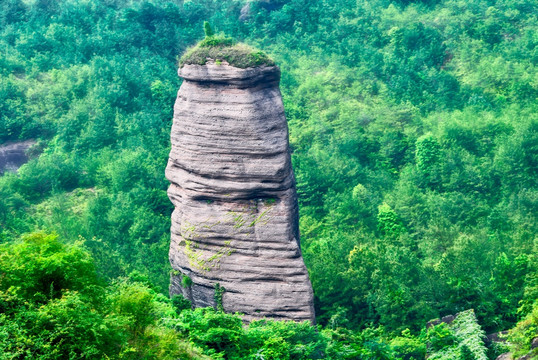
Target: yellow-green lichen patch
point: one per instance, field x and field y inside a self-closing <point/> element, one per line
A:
<point x="201" y="259"/>
<point x="262" y="218"/>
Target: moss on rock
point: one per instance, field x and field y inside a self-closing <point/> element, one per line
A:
<point x="219" y="48"/>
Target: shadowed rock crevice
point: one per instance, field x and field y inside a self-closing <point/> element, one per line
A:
<point x="236" y="216"/>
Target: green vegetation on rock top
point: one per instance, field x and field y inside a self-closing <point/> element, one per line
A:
<point x="220" y="48"/>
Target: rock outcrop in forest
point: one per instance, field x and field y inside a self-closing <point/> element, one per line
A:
<point x="234" y="236"/>
<point x="14" y="155"/>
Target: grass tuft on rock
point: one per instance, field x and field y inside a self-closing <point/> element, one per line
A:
<point x="220" y="48"/>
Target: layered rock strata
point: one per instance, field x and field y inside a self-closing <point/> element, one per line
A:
<point x="235" y="223"/>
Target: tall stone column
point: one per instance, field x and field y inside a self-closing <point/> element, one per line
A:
<point x="235" y="223"/>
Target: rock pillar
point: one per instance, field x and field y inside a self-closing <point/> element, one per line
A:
<point x="235" y="223"/>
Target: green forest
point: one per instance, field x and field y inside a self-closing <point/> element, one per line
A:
<point x="414" y="137"/>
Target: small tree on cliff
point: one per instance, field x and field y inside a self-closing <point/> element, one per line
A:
<point x="208" y="30"/>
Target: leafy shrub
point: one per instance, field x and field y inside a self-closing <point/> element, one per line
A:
<point x="215" y="332"/>
<point x="208" y="30"/>
<point x="186" y="281"/>
<point x="53" y="306"/>
<point x="522" y="335"/>
<point x="440" y="337"/>
<point x="389" y="223"/>
<point x="495" y="349"/>
<point x="462" y="339"/>
<point x="216" y="41"/>
<point x="285" y="340"/>
<point x="409" y="347"/>
<point x="41" y="268"/>
<point x="180" y="303"/>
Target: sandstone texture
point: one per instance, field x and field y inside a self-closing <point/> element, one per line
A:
<point x="14" y="155"/>
<point x="235" y="222"/>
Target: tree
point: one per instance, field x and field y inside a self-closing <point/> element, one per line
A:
<point x="208" y="31"/>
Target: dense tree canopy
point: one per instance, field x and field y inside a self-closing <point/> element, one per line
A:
<point x="414" y="132"/>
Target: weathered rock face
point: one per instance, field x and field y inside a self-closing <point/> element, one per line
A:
<point x="269" y="5"/>
<point x="236" y="218"/>
<point x="14" y="155"/>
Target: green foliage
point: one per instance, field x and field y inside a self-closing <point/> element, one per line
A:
<point x="66" y="325"/>
<point x="52" y="306"/>
<point x="409" y="347"/>
<point x="388" y="222"/>
<point x="367" y="344"/>
<point x="427" y="154"/>
<point x="496" y="349"/>
<point x="223" y="336"/>
<point x="462" y="339"/>
<point x="440" y="337"/>
<point x="180" y="303"/>
<point x="219" y="291"/>
<point x="221" y="48"/>
<point x="521" y="336"/>
<point x="215" y="332"/>
<point x="416" y="104"/>
<point x="135" y="302"/>
<point x="285" y="340"/>
<point x="41" y="268"/>
<point x="207" y="30"/>
<point x="186" y="281"/>
<point x="214" y="41"/>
